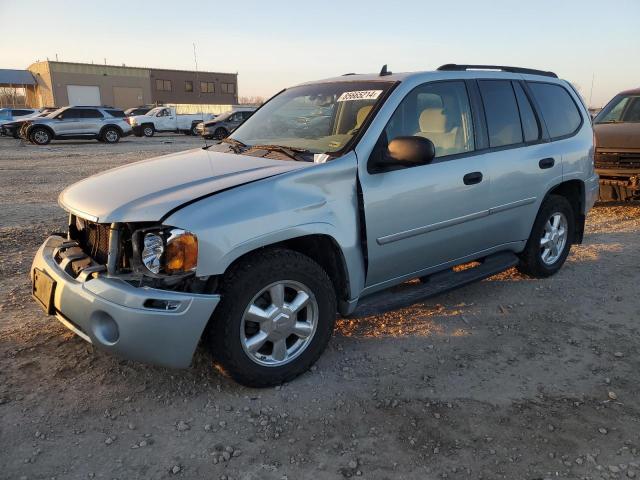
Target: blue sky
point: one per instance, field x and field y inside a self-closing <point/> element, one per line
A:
<point x="273" y="44"/>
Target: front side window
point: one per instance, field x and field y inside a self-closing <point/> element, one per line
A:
<point x="70" y="113"/>
<point x="623" y="108"/>
<point x="558" y="109"/>
<point x="318" y="118"/>
<point x="438" y="111"/>
<point x="501" y="112"/>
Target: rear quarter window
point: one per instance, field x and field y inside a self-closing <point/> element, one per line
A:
<point x="559" y="111"/>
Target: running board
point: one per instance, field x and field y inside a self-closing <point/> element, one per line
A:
<point x="407" y="294"/>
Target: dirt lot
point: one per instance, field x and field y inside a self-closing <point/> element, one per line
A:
<point x="508" y="378"/>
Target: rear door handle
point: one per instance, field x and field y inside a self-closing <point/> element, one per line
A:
<point x="472" y="178"/>
<point x="546" y="163"/>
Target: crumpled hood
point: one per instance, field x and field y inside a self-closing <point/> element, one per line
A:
<point x="149" y="189"/>
<point x="617" y="136"/>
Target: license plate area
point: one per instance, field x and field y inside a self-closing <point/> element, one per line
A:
<point x="43" y="289"/>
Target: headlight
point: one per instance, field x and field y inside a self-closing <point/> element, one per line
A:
<point x="170" y="251"/>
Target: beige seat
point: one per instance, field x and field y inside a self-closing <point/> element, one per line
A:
<point x="433" y="125"/>
<point x="360" y="117"/>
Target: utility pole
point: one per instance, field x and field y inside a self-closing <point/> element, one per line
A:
<point x="593" y="77"/>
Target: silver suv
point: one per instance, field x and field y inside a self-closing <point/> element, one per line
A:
<point x="332" y="192"/>
<point x="105" y="124"/>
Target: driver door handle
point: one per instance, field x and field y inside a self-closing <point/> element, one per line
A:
<point x="472" y="178"/>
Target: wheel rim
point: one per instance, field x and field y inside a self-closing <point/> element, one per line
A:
<point x="221" y="133"/>
<point x="147" y="131"/>
<point x="279" y="323"/>
<point x="111" y="136"/>
<point x="40" y="136"/>
<point x="554" y="238"/>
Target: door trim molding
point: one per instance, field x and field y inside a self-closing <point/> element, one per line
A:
<point x="394" y="237"/>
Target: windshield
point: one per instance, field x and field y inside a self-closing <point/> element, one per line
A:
<point x="318" y="118"/>
<point x="623" y="108"/>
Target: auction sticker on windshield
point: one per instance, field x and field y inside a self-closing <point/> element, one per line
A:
<point x="359" y="95"/>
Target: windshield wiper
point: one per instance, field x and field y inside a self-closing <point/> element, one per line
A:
<point x="288" y="151"/>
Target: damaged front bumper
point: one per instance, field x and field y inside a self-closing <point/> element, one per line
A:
<point x="138" y="323"/>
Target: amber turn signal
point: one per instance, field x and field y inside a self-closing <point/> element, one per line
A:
<point x="181" y="253"/>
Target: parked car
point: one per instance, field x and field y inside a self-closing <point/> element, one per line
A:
<point x="617" y="129"/>
<point x="12" y="129"/>
<point x="105" y="124"/>
<point x="8" y="115"/>
<point x="220" y="126"/>
<point x="260" y="239"/>
<point x="141" y="110"/>
<point x="165" y="119"/>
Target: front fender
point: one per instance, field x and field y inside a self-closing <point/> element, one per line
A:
<point x="318" y="200"/>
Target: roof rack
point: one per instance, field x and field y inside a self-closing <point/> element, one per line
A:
<point x="449" y="67"/>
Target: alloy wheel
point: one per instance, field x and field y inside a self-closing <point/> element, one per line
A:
<point x="554" y="238"/>
<point x="279" y="323"/>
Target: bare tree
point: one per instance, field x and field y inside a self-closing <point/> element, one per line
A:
<point x="253" y="100"/>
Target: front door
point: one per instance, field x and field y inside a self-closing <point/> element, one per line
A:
<point x="70" y="122"/>
<point x="165" y="121"/>
<point x="424" y="216"/>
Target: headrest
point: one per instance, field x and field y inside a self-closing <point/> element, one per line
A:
<point x="432" y="120"/>
<point x="362" y="114"/>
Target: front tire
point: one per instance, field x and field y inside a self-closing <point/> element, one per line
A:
<point x="220" y="133"/>
<point x="550" y="240"/>
<point x="276" y="316"/>
<point x="193" y="131"/>
<point x="40" y="136"/>
<point x="148" y="130"/>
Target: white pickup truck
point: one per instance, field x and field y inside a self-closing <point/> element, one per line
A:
<point x="165" y="119"/>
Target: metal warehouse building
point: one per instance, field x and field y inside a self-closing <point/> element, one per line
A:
<point x="66" y="83"/>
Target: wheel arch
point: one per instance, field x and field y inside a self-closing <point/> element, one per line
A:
<point x="574" y="192"/>
<point x="110" y="125"/>
<point x="39" y="125"/>
<point x="323" y="249"/>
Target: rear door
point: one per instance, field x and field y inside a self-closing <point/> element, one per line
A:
<point x="522" y="162"/>
<point x="424" y="216"/>
<point x="91" y="121"/>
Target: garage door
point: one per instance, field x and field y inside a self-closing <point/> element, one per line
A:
<point x="127" y="97"/>
<point x="83" y="95"/>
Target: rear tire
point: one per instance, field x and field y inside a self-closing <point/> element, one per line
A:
<point x="284" y="341"/>
<point x="550" y="240"/>
<point x="40" y="136"/>
<point x="110" y="135"/>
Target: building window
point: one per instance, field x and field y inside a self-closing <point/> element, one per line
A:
<point x="188" y="86"/>
<point x="228" y="88"/>
<point x="207" y="87"/>
<point x="163" y="85"/>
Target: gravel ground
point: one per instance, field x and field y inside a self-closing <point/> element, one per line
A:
<point x="507" y="378"/>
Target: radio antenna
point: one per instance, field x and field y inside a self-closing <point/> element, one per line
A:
<point x="197" y="85"/>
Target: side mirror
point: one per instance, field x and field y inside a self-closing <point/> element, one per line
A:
<point x="409" y="151"/>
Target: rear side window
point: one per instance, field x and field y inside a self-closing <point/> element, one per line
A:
<point x="501" y="111"/>
<point x="89" y="113"/>
<point x="560" y="113"/>
<point x="530" y="126"/>
<point x="116" y="113"/>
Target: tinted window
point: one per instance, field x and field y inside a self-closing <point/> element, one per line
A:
<point x="501" y="112"/>
<point x="20" y="113"/>
<point x="529" y="123"/>
<point x="559" y="111"/>
<point x="71" y="113"/>
<point x="90" y="113"/>
<point x="116" y="113"/>
<point x="437" y="111"/>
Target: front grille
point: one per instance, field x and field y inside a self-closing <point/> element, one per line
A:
<point x="617" y="160"/>
<point x="93" y="239"/>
